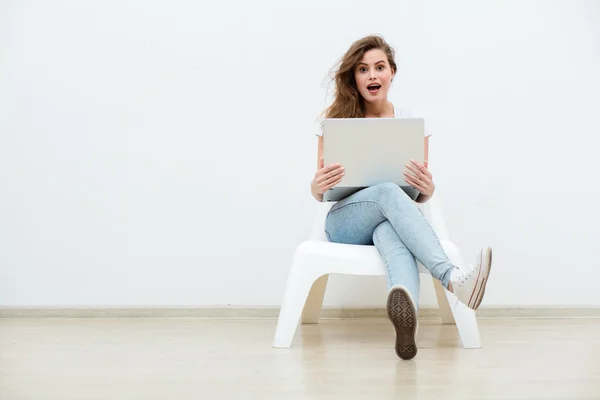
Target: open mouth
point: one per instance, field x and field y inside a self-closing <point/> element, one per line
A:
<point x="374" y="88"/>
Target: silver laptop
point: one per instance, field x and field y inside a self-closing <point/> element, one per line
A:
<point x="373" y="151"/>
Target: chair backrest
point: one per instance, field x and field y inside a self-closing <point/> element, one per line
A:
<point x="433" y="212"/>
<point x="317" y="232"/>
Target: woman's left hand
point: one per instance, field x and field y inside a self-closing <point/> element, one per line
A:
<point x="421" y="179"/>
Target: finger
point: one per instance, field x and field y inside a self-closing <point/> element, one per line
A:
<point x="419" y="188"/>
<point x="420" y="172"/>
<point x="423" y="183"/>
<point x="411" y="178"/>
<point x="333" y="173"/>
<point x="333" y="179"/>
<point x="426" y="164"/>
<point x="321" y="163"/>
<point x="329" y="168"/>
<point x="424" y="180"/>
<point x="420" y="167"/>
<point x="417" y="184"/>
<point x="415" y="170"/>
<point x="332" y="184"/>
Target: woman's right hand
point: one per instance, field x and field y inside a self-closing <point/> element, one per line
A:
<point x="327" y="177"/>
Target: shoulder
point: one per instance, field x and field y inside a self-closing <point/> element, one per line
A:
<point x="403" y="112"/>
<point x="319" y="131"/>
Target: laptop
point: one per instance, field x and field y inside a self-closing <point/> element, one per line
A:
<point x="373" y="151"/>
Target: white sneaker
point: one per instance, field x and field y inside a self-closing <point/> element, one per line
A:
<point x="402" y="311"/>
<point x="468" y="283"/>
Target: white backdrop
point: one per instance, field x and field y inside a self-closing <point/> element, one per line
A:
<point x="160" y="153"/>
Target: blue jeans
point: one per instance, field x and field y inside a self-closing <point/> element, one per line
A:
<point x="384" y="215"/>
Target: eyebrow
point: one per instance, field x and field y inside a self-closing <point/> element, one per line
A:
<point x="380" y="61"/>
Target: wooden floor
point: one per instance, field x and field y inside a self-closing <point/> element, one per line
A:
<point x="338" y="359"/>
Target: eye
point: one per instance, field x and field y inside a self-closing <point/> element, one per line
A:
<point x="362" y="69"/>
<point x="380" y="67"/>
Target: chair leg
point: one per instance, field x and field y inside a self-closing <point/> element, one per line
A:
<point x="445" y="310"/>
<point x="465" y="318"/>
<point x="466" y="323"/>
<point x="297" y="288"/>
<point x="314" y="303"/>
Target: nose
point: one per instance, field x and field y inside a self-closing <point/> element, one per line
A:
<point x="372" y="74"/>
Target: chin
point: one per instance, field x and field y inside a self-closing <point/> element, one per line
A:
<point x="372" y="99"/>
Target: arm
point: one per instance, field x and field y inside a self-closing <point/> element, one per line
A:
<point x="326" y="177"/>
<point x="421" y="198"/>
<point x="313" y="190"/>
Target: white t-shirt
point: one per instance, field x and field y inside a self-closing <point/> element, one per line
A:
<point x="398" y="113"/>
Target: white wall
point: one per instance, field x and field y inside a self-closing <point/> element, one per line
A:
<point x="160" y="153"/>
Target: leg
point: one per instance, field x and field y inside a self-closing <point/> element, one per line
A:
<point x="358" y="215"/>
<point x="294" y="298"/>
<point x="403" y="284"/>
<point x="355" y="217"/>
<point x="401" y="264"/>
<point x="466" y="320"/>
<point x="314" y="303"/>
<point x="445" y="310"/>
<point x="299" y="282"/>
<point x="360" y="221"/>
<point x="466" y="323"/>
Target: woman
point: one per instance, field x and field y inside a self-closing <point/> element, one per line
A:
<point x="384" y="215"/>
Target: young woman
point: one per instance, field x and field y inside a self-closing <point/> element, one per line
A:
<point x="385" y="215"/>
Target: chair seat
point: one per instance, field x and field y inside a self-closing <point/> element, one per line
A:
<point x="338" y="258"/>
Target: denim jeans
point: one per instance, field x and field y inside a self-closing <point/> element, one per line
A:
<point x="385" y="216"/>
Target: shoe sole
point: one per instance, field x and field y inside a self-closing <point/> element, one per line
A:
<point x="402" y="313"/>
<point x="488" y="267"/>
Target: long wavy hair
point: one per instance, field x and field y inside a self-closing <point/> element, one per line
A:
<point x="347" y="101"/>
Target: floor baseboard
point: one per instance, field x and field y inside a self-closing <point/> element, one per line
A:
<point x="425" y="312"/>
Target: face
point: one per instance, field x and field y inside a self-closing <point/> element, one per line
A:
<point x="373" y="76"/>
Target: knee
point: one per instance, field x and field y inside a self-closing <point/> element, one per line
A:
<point x="388" y="190"/>
<point x="390" y="193"/>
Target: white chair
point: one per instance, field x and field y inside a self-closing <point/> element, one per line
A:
<point x="316" y="258"/>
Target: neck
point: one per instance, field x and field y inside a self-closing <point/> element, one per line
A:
<point x="382" y="108"/>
